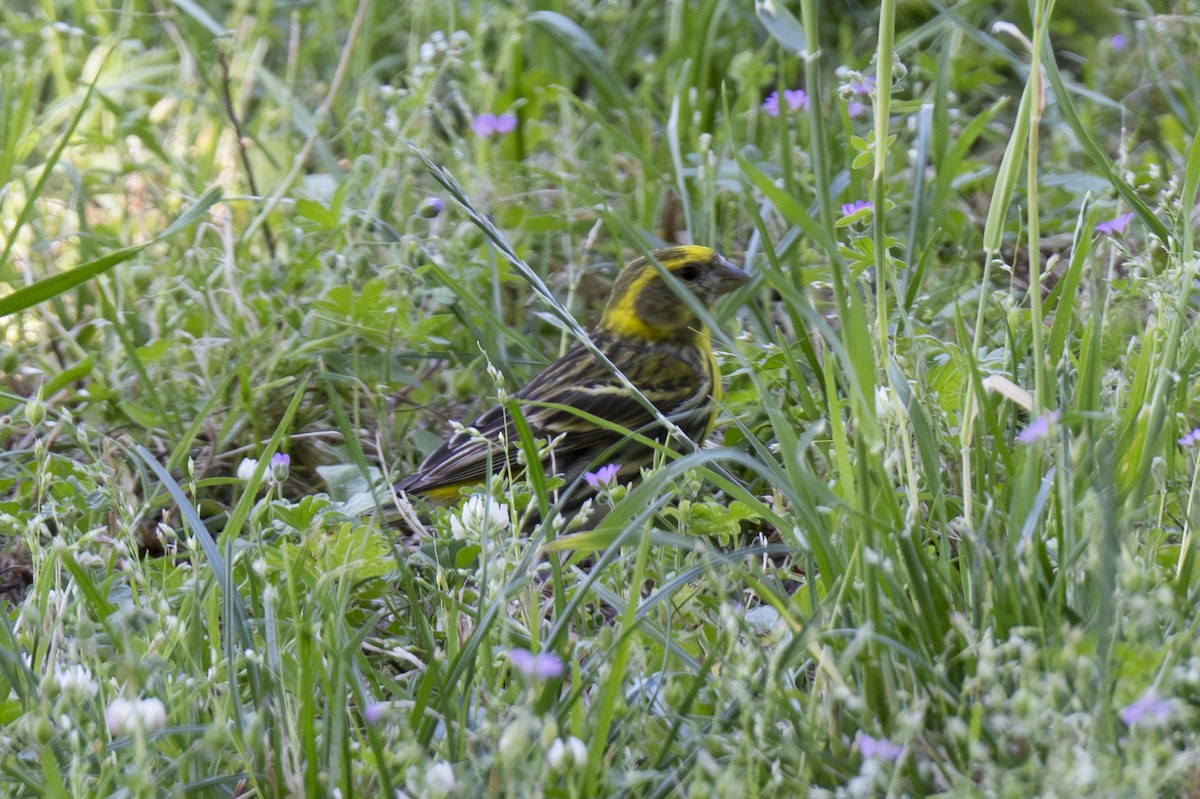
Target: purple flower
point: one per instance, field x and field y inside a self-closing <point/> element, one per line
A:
<point x="850" y="209"/>
<point x="855" y="109"/>
<point x="542" y="666"/>
<point x="1115" y="226"/>
<point x="431" y="207"/>
<point x="1117" y="42"/>
<point x="375" y="712"/>
<point x="864" y="86"/>
<point x="279" y="467"/>
<point x="1190" y="439"/>
<point x="1038" y="428"/>
<point x="506" y="123"/>
<point x="486" y="125"/>
<point x="603" y="476"/>
<point x="877" y="748"/>
<point x="1149" y="710"/>
<point x="796" y="99"/>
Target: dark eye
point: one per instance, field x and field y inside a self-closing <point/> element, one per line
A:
<point x="688" y="273"/>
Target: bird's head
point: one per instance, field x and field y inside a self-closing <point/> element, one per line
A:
<point x="643" y="304"/>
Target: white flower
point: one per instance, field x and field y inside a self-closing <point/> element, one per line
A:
<point x="89" y="560"/>
<point x="120" y="717"/>
<point x="556" y="755"/>
<point x="578" y="749"/>
<point x="883" y="402"/>
<point x="566" y="752"/>
<point x="480" y="516"/>
<point x="246" y="468"/>
<point x="514" y="741"/>
<point x="439" y="780"/>
<point x="77" y="682"/>
<point x="151" y="713"/>
<point x="124" y="716"/>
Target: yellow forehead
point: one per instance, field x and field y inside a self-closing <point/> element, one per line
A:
<point x="684" y="252"/>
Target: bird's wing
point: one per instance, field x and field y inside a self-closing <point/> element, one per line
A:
<point x="467" y="457"/>
<point x="577" y="380"/>
<point x="580" y="382"/>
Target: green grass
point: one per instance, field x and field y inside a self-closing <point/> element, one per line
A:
<point x="249" y="230"/>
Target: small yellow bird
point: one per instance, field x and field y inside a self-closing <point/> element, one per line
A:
<point x="658" y="343"/>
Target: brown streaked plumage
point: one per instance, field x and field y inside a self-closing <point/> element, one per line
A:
<point x="648" y="333"/>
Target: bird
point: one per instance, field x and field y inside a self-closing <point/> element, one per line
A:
<point x="653" y="337"/>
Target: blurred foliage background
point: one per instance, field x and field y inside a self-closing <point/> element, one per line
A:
<point x="942" y="545"/>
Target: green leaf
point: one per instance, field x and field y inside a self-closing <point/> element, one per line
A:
<point x="302" y="515"/>
<point x="361" y="550"/>
<point x="196" y="12"/>
<point x="579" y="44"/>
<point x="69" y="375"/>
<point x="861" y="215"/>
<point x="345" y="480"/>
<point x="1007" y="175"/>
<point x="712" y="520"/>
<point x="788" y="206"/>
<point x="55" y="787"/>
<point x="782" y="25"/>
<point x="10" y="711"/>
<point x="30" y="207"/>
<point x="222" y="569"/>
<point x="154" y="350"/>
<point x="311" y="209"/>
<point x="452" y="553"/>
<point x="52" y="286"/>
<point x="1084" y="134"/>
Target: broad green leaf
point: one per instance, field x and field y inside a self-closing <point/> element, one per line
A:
<point x="782" y="25"/>
<point x="68" y="375"/>
<point x="54" y="285"/>
<point x="580" y="45"/>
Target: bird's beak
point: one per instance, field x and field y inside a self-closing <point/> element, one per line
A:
<point x="729" y="277"/>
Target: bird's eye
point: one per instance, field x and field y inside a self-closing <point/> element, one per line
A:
<point x="689" y="273"/>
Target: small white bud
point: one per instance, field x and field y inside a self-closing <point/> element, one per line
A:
<point x="480" y="516"/>
<point x="566" y="752"/>
<point x="124" y="716"/>
<point x="119" y="716"/>
<point x="245" y="469"/>
<point x="151" y="713"/>
<point x="439" y="780"/>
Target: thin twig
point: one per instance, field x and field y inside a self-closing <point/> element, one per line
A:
<point x="339" y="74"/>
<point x="231" y="112"/>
